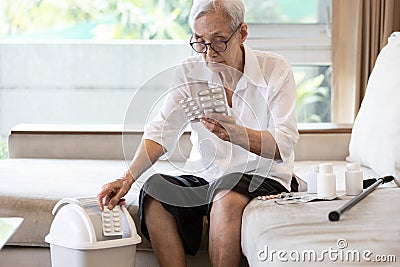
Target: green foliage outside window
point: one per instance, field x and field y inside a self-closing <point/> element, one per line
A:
<point x="313" y="97"/>
<point x="95" y="19"/>
<point x="3" y="149"/>
<point x="131" y="19"/>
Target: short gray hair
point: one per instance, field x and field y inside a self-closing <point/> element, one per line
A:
<point x="234" y="9"/>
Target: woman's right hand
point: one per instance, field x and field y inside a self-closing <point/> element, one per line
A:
<point x="112" y="193"/>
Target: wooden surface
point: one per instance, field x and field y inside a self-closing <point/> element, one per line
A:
<point x="118" y="129"/>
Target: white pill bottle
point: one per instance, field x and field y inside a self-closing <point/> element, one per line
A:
<point x="312" y="179"/>
<point x="354" y="179"/>
<point x="326" y="181"/>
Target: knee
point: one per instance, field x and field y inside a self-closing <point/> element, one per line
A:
<point x="155" y="185"/>
<point x="228" y="204"/>
<point x="151" y="181"/>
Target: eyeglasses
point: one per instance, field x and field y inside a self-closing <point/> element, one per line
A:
<point x="218" y="46"/>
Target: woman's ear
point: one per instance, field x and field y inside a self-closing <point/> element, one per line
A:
<point x="243" y="33"/>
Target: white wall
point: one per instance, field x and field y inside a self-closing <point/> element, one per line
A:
<point x="78" y="82"/>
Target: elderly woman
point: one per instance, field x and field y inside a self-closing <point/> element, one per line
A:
<point x="237" y="155"/>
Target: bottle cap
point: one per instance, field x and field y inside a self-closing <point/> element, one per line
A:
<point x="353" y="166"/>
<point x="326" y="168"/>
<point x="315" y="168"/>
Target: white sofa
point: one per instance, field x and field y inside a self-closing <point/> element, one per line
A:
<point x="368" y="234"/>
<point x="301" y="234"/>
<point x="50" y="162"/>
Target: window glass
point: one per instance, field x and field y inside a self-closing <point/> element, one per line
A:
<point x="62" y="82"/>
<point x="287" y="11"/>
<point x="94" y="19"/>
<point x="134" y="19"/>
<point x="313" y="93"/>
<point x="280" y="24"/>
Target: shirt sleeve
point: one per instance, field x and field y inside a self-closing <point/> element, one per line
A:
<point x="170" y="122"/>
<point x="283" y="108"/>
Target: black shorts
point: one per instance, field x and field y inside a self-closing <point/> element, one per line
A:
<point x="189" y="198"/>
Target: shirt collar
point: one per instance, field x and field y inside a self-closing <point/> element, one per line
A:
<point x="252" y="72"/>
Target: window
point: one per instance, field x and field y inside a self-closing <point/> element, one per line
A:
<point x="300" y="31"/>
<point x="78" y="61"/>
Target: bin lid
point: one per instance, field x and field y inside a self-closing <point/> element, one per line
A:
<point x="72" y="225"/>
<point x="73" y="228"/>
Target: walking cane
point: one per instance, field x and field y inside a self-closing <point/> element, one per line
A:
<point x="335" y="215"/>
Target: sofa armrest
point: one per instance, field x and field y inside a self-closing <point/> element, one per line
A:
<point x="103" y="142"/>
<point x="322" y="141"/>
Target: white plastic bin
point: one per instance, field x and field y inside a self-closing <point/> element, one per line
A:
<point x="76" y="237"/>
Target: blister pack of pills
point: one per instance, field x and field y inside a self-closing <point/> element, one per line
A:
<point x="111" y="220"/>
<point x="191" y="108"/>
<point x="208" y="100"/>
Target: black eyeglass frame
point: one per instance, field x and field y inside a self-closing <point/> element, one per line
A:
<point x="210" y="44"/>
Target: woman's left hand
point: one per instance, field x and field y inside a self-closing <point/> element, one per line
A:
<point x="225" y="127"/>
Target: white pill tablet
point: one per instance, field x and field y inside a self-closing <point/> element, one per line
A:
<point x="205" y="98"/>
<point x="204" y="92"/>
<point x="219" y="96"/>
<point x="219" y="103"/>
<point x="216" y="90"/>
<point x="220" y="109"/>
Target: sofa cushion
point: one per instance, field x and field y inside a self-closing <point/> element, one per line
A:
<point x="30" y="188"/>
<point x="274" y="235"/>
<point x="375" y="139"/>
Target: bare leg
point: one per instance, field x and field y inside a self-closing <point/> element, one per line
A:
<point x="164" y="236"/>
<point x="225" y="227"/>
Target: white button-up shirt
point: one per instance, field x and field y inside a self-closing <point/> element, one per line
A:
<point x="264" y="99"/>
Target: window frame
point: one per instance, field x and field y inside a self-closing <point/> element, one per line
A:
<point x="300" y="44"/>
